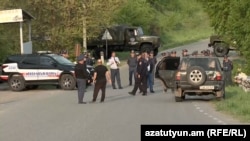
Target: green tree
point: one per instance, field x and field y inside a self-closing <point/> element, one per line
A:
<point x="230" y="19"/>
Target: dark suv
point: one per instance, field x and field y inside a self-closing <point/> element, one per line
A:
<point x="31" y="70"/>
<point x="199" y="75"/>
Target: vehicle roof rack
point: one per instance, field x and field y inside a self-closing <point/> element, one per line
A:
<point x="202" y="53"/>
<point x="44" y="52"/>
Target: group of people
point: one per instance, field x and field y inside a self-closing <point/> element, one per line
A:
<point x="141" y="68"/>
<point x="100" y="79"/>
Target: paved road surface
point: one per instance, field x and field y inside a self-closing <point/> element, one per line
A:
<point x="54" y="115"/>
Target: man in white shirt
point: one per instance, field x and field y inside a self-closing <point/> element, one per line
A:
<point x="114" y="63"/>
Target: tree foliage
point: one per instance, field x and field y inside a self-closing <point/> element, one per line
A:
<point x="230" y="19"/>
<point x="59" y="24"/>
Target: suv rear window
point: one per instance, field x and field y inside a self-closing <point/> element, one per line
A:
<point x="206" y="63"/>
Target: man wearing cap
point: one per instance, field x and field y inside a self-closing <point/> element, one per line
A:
<point x="132" y="62"/>
<point x="227" y="68"/>
<point x="81" y="75"/>
<point x="184" y="52"/>
<point x="173" y="54"/>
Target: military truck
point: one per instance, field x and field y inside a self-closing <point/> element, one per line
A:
<point x="122" y="38"/>
<point x="220" y="47"/>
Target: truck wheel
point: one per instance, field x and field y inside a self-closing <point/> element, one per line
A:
<point x="17" y="83"/>
<point x="146" y="48"/>
<point x="196" y="76"/>
<point x="221" y="49"/>
<point x="67" y="82"/>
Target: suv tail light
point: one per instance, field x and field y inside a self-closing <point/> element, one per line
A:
<point x="178" y="76"/>
<point x="218" y="76"/>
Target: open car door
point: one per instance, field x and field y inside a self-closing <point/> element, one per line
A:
<point x="166" y="70"/>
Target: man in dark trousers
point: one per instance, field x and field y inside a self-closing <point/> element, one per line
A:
<point x="132" y="62"/>
<point x="81" y="75"/>
<point x="151" y="66"/>
<point x="227" y="68"/>
<point x="114" y="64"/>
<point x="141" y="76"/>
<point x="101" y="76"/>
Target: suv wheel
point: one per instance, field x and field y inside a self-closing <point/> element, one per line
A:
<point x="220" y="94"/>
<point x="67" y="82"/>
<point x="196" y="76"/>
<point x="221" y="49"/>
<point x="178" y="95"/>
<point x="16" y="83"/>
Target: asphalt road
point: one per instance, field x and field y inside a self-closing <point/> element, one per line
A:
<point x="54" y="115"/>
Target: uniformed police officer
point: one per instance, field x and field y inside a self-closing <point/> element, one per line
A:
<point x="141" y="76"/>
<point x="227" y="68"/>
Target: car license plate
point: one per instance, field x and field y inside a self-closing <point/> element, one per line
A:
<point x="207" y="87"/>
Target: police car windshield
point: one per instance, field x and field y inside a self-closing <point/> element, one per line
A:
<point x="62" y="60"/>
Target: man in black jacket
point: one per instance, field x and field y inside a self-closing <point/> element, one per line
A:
<point x="141" y="76"/>
<point x="81" y="75"/>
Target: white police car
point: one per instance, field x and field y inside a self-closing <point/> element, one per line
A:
<point x="31" y="70"/>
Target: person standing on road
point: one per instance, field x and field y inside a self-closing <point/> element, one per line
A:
<point x="227" y="68"/>
<point x="101" y="76"/>
<point x="151" y="64"/>
<point x="81" y="77"/>
<point x="141" y="76"/>
<point x="132" y="62"/>
<point x="114" y="63"/>
<point x="154" y="60"/>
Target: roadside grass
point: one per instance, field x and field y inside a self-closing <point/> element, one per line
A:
<point x="236" y="103"/>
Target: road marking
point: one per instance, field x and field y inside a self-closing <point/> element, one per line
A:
<point x="197" y="107"/>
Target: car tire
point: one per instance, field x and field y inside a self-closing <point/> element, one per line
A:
<point x="221" y="49"/>
<point x="16" y="83"/>
<point x="196" y="76"/>
<point x="220" y="95"/>
<point x="67" y="82"/>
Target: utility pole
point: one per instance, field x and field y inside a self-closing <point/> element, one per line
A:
<point x="84" y="32"/>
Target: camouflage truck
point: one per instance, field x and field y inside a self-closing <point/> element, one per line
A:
<point x="122" y="38"/>
<point x="220" y="46"/>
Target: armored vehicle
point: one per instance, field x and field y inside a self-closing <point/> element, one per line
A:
<point x="122" y="38"/>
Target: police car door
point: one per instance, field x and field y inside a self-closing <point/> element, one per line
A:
<point x="47" y="69"/>
<point x="28" y="67"/>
